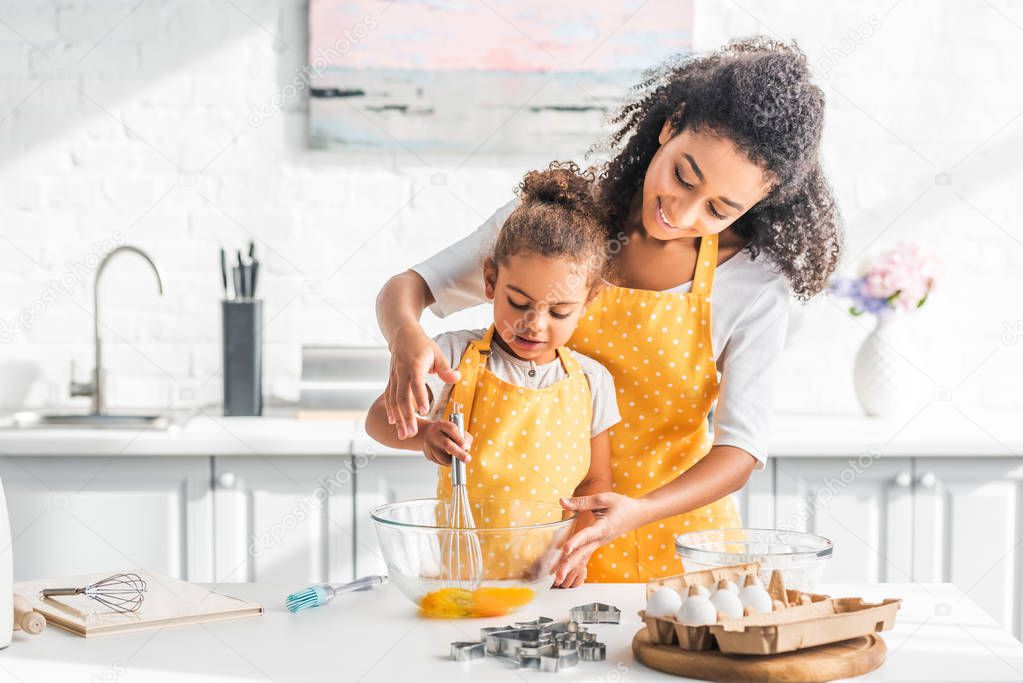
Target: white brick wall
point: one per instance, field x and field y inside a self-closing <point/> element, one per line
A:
<point x="135" y="118"/>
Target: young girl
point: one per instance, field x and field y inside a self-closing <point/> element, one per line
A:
<point x="537" y="415"/>
<point x="716" y="180"/>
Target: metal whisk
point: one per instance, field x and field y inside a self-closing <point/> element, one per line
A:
<point x="463" y="557"/>
<point x="120" y="592"/>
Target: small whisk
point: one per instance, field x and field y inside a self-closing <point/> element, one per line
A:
<point x="463" y="557"/>
<point x="121" y="592"/>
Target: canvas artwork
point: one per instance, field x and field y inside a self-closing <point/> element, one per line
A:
<point x="480" y="77"/>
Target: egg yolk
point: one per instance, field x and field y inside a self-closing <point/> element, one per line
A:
<point x="490" y="601"/>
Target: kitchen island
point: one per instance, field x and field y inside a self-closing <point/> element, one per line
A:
<point x="940" y="635"/>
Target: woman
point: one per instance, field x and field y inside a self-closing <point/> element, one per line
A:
<point x="715" y="194"/>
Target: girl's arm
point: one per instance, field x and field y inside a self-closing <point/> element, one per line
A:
<point x="597" y="480"/>
<point x="382" y="431"/>
<point x="598" y="476"/>
<point x="438" y="440"/>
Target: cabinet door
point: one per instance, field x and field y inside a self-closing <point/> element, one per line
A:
<point x="283" y="519"/>
<point x="77" y="515"/>
<point x="380" y="480"/>
<point x="968" y="528"/>
<point x="864" y="505"/>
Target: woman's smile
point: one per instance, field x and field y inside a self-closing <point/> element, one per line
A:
<point x="667" y="224"/>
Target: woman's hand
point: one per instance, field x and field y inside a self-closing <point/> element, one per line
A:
<point x="413" y="355"/>
<point x="571" y="574"/>
<point x="615" y="515"/>
<point x="441" y="441"/>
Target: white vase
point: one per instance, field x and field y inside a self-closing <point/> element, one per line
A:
<point x="886" y="382"/>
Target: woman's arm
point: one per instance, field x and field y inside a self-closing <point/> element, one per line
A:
<point x="450" y="280"/>
<point x="413" y="354"/>
<point x="724" y="470"/>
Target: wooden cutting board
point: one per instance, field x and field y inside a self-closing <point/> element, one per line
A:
<point x="823" y="663"/>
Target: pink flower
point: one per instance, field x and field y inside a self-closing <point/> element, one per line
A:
<point x="903" y="274"/>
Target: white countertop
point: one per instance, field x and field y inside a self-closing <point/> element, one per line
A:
<point x="936" y="431"/>
<point x="939" y="635"/>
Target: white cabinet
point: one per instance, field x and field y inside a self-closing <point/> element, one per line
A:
<point x="283" y="519"/>
<point x="755" y="500"/>
<point x="864" y="505"/>
<point x="77" y="515"/>
<point x="380" y="480"/>
<point x="968" y="530"/>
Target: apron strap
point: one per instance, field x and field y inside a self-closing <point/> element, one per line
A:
<point x="706" y="264"/>
<point x="475" y="357"/>
<point x="568" y="361"/>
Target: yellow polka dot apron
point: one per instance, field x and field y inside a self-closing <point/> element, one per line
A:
<point x="530" y="447"/>
<point x="657" y="346"/>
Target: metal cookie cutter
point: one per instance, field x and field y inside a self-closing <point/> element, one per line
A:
<point x="464" y="651"/>
<point x="549" y="657"/>
<point x="595" y="613"/>
<point x="565" y="658"/>
<point x="592" y="652"/>
<point x="507" y="643"/>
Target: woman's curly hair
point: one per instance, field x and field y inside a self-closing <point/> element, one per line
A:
<point x="758" y="93"/>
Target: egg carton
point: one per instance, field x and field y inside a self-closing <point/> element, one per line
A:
<point x="798" y="620"/>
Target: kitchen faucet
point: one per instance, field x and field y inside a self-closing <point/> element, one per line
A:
<point x="94" y="388"/>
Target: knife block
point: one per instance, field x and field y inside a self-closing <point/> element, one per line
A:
<point x="243" y="357"/>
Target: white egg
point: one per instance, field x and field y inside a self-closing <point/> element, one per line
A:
<point x="754" y="596"/>
<point x="664" y="602"/>
<point x="727" y="602"/>
<point x="697" y="610"/>
<point x="701" y="590"/>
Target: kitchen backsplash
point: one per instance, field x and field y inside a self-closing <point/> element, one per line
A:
<point x="148" y="136"/>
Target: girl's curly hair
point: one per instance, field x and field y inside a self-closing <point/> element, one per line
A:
<point x="759" y="93"/>
<point x="557" y="217"/>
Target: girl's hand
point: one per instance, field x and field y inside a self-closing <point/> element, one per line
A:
<point x="615" y="515"/>
<point x="441" y="440"/>
<point x="413" y="355"/>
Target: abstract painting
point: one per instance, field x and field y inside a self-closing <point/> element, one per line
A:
<point x="480" y="78"/>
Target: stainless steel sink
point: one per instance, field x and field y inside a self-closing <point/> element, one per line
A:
<point x="29" y="420"/>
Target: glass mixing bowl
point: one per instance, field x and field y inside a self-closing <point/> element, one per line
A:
<point x="518" y="556"/>
<point x="800" y="556"/>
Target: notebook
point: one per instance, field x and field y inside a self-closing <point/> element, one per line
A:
<point x="167" y="602"/>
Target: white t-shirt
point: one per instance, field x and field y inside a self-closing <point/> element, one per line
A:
<point x="516" y="371"/>
<point x="749" y="317"/>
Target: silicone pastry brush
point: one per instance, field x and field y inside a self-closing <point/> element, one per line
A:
<point x="322" y="593"/>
